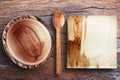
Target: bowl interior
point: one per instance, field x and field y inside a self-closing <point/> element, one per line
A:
<point x="17" y="51"/>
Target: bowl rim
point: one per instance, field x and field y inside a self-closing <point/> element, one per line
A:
<point x="4" y="36"/>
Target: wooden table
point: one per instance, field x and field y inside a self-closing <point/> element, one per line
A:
<point x="44" y="9"/>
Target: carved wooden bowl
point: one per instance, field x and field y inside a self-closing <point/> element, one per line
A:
<point x="27" y="41"/>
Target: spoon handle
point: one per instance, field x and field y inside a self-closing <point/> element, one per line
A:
<point x="58" y="51"/>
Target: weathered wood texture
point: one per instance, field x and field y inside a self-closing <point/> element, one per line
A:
<point x="44" y="9"/>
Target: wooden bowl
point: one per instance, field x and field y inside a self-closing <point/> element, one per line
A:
<point x="27" y="41"/>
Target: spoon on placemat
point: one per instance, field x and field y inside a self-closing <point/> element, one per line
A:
<point x="58" y="22"/>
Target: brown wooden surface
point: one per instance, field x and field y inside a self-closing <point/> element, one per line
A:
<point x="44" y="9"/>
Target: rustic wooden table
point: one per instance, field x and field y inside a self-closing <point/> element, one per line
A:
<point x="44" y="9"/>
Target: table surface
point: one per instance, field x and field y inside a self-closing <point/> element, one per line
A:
<point x="44" y="9"/>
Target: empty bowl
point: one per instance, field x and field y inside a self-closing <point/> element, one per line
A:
<point x="27" y="41"/>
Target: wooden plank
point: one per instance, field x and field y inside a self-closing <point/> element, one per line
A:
<point x="92" y="42"/>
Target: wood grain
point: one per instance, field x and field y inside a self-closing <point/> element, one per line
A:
<point x="44" y="9"/>
<point x="92" y="42"/>
<point x="58" y="22"/>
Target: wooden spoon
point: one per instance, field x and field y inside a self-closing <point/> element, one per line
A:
<point x="58" y="22"/>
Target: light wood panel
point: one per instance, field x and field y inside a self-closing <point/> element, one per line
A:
<point x="92" y="42"/>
